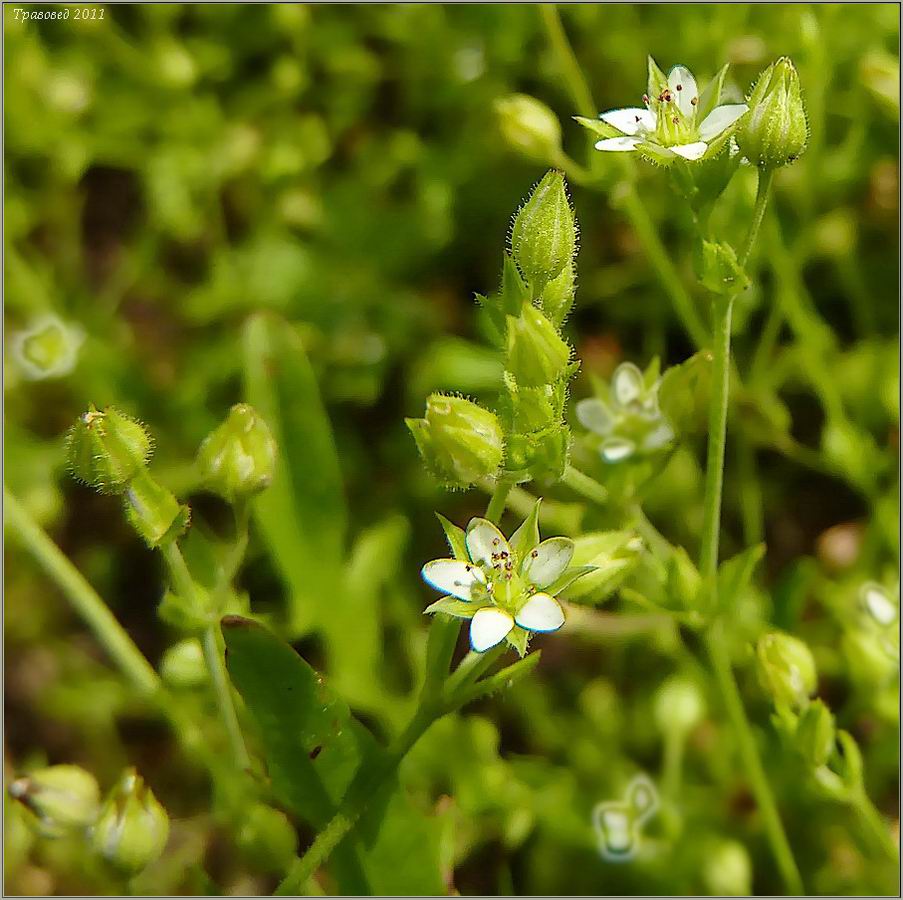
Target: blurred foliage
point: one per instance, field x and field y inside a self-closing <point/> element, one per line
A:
<point x="295" y="206"/>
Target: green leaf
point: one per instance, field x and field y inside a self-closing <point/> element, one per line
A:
<point x="455" y="536"/>
<point x="735" y="574"/>
<point x="502" y="680"/>
<point x="527" y="535"/>
<point x="684" y="393"/>
<point x="452" y="606"/>
<point x="613" y="555"/>
<point x="568" y="578"/>
<point x="314" y="749"/>
<point x="301" y="517"/>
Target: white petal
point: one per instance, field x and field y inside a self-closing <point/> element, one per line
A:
<point x="595" y="415"/>
<point x="546" y="562"/>
<point x="879" y="605"/>
<point x="683" y="89"/>
<point x="630" y="120"/>
<point x="617" y="143"/>
<point x="540" y="613"/>
<point x="690" y="151"/>
<point x="452" y="576"/>
<point x="616" y="449"/>
<point x="627" y="384"/>
<point x="486" y="544"/>
<point x="489" y="627"/>
<point x="719" y="118"/>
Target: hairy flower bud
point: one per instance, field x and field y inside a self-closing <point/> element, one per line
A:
<point x="62" y="798"/>
<point x="529" y="127"/>
<point x="776" y="130"/>
<point x="786" y="669"/>
<point x="536" y="353"/>
<point x="460" y="442"/>
<point x="153" y="511"/>
<point x="237" y="459"/>
<point x="107" y="449"/>
<point x="544" y="234"/>
<point x="132" y="828"/>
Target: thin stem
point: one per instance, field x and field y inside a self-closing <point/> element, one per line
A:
<point x="582" y="484"/>
<point x="497" y="500"/>
<point x="185" y="585"/>
<point x="762" y="189"/>
<point x="87" y="602"/>
<point x="570" y="69"/>
<point x="876" y="825"/>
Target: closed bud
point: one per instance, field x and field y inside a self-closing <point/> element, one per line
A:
<point x="237" y="459"/>
<point x="786" y="669"/>
<point x="183" y="664"/>
<point x="132" y="828"/>
<point x="268" y="838"/>
<point x="153" y="511"/>
<point x="107" y="449"/>
<point x="529" y="127"/>
<point x="727" y="870"/>
<point x="536" y="352"/>
<point x="460" y="442"/>
<point x="63" y="799"/>
<point x="679" y="705"/>
<point x="815" y="734"/>
<point x="544" y="234"/>
<point x="776" y="130"/>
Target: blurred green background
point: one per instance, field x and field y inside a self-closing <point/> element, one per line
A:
<point x="171" y="170"/>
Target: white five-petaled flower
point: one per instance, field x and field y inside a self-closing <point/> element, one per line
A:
<point x="668" y="124"/>
<point x="505" y="588"/>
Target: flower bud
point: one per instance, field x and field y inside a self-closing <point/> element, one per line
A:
<point x="237" y="459"/>
<point x="460" y="442"/>
<point x="679" y="705"/>
<point x="536" y="353"/>
<point x="153" y="511"/>
<point x="727" y="871"/>
<point x="48" y="349"/>
<point x="132" y="828"/>
<point x="63" y="799"/>
<point x="107" y="449"/>
<point x="268" y="838"/>
<point x="815" y="734"/>
<point x="544" y="234"/>
<point x="776" y="130"/>
<point x="529" y="127"/>
<point x="183" y="664"/>
<point x="786" y="669"/>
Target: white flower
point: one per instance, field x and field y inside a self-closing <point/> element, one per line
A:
<point x="506" y="588"/>
<point x="667" y="125"/>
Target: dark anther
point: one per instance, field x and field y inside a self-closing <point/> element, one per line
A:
<point x="680" y="87"/>
<point x="694" y="101"/>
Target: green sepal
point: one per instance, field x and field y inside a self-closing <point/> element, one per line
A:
<point x="597" y="127"/>
<point x="711" y="96"/>
<point x="455" y="537"/>
<point x="526" y="537"/>
<point x="567" y="578"/>
<point x="460" y="609"/>
<point x="518" y="638"/>
<point x="153" y="511"/>
<point x="657" y="81"/>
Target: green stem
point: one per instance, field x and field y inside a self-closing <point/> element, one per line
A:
<point x="876" y="825"/>
<point x="570" y="69"/>
<point x="88" y="604"/>
<point x="497" y="500"/>
<point x="584" y="485"/>
<point x="762" y="189"/>
<point x="185" y="585"/>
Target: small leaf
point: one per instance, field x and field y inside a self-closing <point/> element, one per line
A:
<point x="502" y="680"/>
<point x="568" y="578"/>
<point x="735" y="574"/>
<point x="612" y="554"/>
<point x="684" y="392"/>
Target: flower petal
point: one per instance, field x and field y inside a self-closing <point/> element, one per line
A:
<point x="490" y="626"/>
<point x="452" y="576"/>
<point x="630" y="120"/>
<point x="594" y="415"/>
<point x="690" y="151"/>
<point x="545" y="563"/>
<point x="617" y="449"/>
<point x="721" y="118"/>
<point x="627" y="384"/>
<point x="485" y="543"/>
<point x="683" y="89"/>
<point x="540" y="613"/>
<point x="617" y="143"/>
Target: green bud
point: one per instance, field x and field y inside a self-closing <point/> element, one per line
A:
<point x="529" y="127"/>
<point x="541" y="454"/>
<point x="815" y="734"/>
<point x="268" y="838"/>
<point x="679" y="705"/>
<point x="544" y="234"/>
<point x="132" y="828"/>
<point x="460" y="442"/>
<point x="727" y="870"/>
<point x="786" y="669"/>
<point x="557" y="296"/>
<point x="775" y="131"/>
<point x="536" y="353"/>
<point x="48" y="349"/>
<point x="107" y="449"/>
<point x="183" y="664"/>
<point x="237" y="459"/>
<point x="62" y="799"/>
<point x="153" y="511"/>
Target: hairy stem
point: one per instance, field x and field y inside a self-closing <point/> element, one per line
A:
<point x="498" y="499"/>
